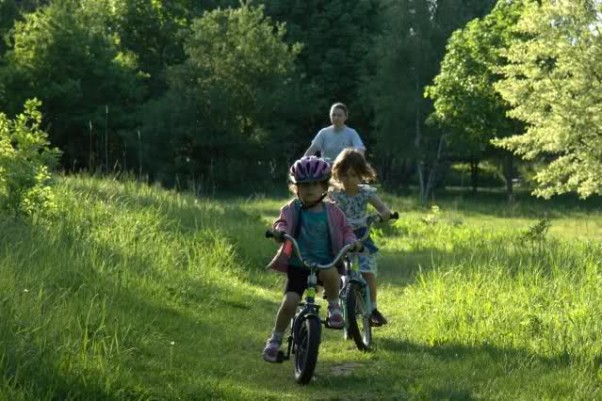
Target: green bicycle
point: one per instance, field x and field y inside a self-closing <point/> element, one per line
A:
<point x="355" y="296"/>
<point x="306" y="326"/>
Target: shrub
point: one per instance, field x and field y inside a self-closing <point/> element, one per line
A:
<point x="25" y="162"/>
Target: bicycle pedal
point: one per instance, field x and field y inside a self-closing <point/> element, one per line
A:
<point x="328" y="326"/>
<point x="281" y="357"/>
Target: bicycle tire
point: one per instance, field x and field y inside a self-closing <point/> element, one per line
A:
<point x="358" y="321"/>
<point x="307" y="346"/>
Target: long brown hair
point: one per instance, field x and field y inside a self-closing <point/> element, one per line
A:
<point x="353" y="159"/>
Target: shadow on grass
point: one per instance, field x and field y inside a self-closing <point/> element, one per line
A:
<point x="404" y="370"/>
<point x="401" y="269"/>
<point x="41" y="380"/>
<point x="524" y="205"/>
<point x="460" y="372"/>
<point x="448" y="353"/>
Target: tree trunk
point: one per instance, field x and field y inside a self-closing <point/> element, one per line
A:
<point x="474" y="175"/>
<point x="420" y="167"/>
<point x="432" y="176"/>
<point x="508" y="170"/>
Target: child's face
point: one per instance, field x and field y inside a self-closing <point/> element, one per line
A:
<point x="338" y="117"/>
<point x="310" y="192"/>
<point x="350" y="179"/>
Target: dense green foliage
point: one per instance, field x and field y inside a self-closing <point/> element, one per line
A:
<point x="465" y="102"/>
<point x="136" y="84"/>
<point x="241" y="70"/>
<point x="25" y="163"/>
<point x="534" y="62"/>
<point x="554" y="84"/>
<point x="132" y="292"/>
<point x="406" y="55"/>
<point x="62" y="56"/>
<point x="201" y="93"/>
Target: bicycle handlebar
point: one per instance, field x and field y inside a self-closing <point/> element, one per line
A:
<point x="308" y="264"/>
<point x="376" y="218"/>
<point x="371" y="219"/>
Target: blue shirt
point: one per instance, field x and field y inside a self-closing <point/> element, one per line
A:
<point x="313" y="239"/>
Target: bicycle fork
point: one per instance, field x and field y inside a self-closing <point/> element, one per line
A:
<point x="307" y="309"/>
<point x="354" y="276"/>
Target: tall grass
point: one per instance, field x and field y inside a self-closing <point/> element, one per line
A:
<point x="95" y="294"/>
<point x="133" y="292"/>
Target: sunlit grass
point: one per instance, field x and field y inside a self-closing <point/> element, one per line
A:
<point x="138" y="293"/>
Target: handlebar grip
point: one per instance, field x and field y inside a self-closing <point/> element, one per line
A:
<point x="269" y="234"/>
<point x="394" y="216"/>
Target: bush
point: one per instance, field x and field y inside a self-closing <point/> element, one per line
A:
<point x="25" y="162"/>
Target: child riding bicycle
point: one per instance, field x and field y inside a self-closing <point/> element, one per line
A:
<point x="321" y="230"/>
<point x="350" y="171"/>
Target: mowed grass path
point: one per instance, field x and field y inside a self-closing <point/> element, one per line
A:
<point x="133" y="292"/>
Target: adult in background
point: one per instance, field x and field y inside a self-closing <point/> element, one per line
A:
<point x="331" y="141"/>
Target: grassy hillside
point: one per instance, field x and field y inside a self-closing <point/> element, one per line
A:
<point x="136" y="293"/>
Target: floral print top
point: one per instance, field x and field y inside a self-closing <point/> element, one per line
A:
<point x="354" y="206"/>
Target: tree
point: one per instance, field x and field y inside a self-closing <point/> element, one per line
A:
<point x="406" y="55"/>
<point x="9" y="12"/>
<point x="63" y="56"/>
<point x="235" y="79"/>
<point x="334" y="60"/>
<point x="405" y="63"/>
<point x="465" y="101"/>
<point x="151" y="30"/>
<point x="553" y="83"/>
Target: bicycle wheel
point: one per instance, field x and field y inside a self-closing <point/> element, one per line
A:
<point x="358" y="318"/>
<point x="307" y="346"/>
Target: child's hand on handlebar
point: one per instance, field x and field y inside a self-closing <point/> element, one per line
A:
<point x="358" y="246"/>
<point x="278" y="235"/>
<point x="389" y="215"/>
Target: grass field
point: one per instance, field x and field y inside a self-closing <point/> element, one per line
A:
<point x="133" y="292"/>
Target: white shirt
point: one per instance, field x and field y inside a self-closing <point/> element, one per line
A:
<point x="330" y="142"/>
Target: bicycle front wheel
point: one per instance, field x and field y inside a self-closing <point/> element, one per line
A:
<point x="358" y="317"/>
<point x="307" y="345"/>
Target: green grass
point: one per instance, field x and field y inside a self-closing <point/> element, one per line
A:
<point x="137" y="293"/>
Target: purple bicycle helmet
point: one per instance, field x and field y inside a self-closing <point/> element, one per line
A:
<point x="309" y="169"/>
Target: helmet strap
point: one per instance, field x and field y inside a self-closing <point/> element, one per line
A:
<point x="312" y="204"/>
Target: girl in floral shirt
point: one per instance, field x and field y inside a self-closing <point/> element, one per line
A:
<point x="350" y="171"/>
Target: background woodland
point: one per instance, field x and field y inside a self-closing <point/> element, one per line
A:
<point x="223" y="95"/>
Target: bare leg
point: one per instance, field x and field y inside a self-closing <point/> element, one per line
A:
<point x="331" y="281"/>
<point x="286" y="311"/>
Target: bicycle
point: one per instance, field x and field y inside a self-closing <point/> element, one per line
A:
<point x="306" y="325"/>
<point x="355" y="296"/>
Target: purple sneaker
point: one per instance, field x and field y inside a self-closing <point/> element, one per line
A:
<point x="270" y="352"/>
<point x="335" y="317"/>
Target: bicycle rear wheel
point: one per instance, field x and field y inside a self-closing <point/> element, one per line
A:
<point x="307" y="346"/>
<point x="358" y="318"/>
